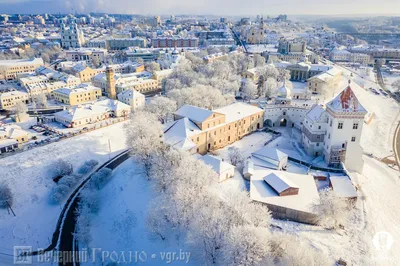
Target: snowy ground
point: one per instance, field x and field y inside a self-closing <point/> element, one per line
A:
<point x="28" y="175"/>
<point x="389" y="79"/>
<point x="121" y="223"/>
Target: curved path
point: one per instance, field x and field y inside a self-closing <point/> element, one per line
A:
<point x="62" y="236"/>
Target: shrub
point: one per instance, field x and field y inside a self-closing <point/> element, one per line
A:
<point x="101" y="178"/>
<point x="6" y="196"/>
<point x="87" y="167"/>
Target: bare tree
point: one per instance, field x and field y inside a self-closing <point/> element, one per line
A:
<point x="162" y="107"/>
<point x="6" y="196"/>
<point x="20" y="109"/>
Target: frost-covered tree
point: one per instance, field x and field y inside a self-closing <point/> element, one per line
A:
<point x="101" y="177"/>
<point x="90" y="198"/>
<point x="87" y="167"/>
<point x="61" y="168"/>
<point x="396" y="85"/>
<point x="333" y="212"/>
<point x="162" y="107"/>
<point x="20" y="109"/>
<point x="288" y="250"/>
<point x="249" y="90"/>
<point x="41" y="100"/>
<point x="83" y="225"/>
<point x="270" y="87"/>
<point x="235" y="156"/>
<point x="152" y="66"/>
<point x="6" y="196"/>
<point x="59" y="193"/>
<point x="201" y="96"/>
<point x="170" y="84"/>
<point x="144" y="135"/>
<point x="259" y="61"/>
<point x="156" y="220"/>
<point x="247" y="245"/>
<point x="69" y="180"/>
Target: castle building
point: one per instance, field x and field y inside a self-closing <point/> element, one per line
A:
<point x="111" y="83"/>
<point x="335" y="132"/>
<point x="71" y="36"/>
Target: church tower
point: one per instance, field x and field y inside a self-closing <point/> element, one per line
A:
<point x="110" y="85"/>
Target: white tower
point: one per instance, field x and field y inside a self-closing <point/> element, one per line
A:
<point x="71" y="36"/>
<point x="343" y="131"/>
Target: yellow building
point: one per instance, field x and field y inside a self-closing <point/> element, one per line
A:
<point x="200" y="130"/>
<point x="85" y="73"/>
<point x="83" y="93"/>
<point x="14" y="132"/>
<point x="9" y="99"/>
<point x="9" y="69"/>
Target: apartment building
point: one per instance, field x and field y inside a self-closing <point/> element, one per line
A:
<point x="87" y="54"/>
<point x="9" y="99"/>
<point x="9" y="69"/>
<point x="200" y="130"/>
<point x="133" y="98"/>
<point x="81" y="94"/>
<point x="174" y="41"/>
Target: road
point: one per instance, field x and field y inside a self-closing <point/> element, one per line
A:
<point x="67" y="244"/>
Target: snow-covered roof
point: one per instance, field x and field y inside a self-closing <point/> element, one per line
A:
<point x="346" y="101"/>
<point x="7" y="142"/>
<point x="262" y="192"/>
<point x="270" y="153"/>
<point x="178" y="133"/>
<point x="279" y="182"/>
<point x="130" y="94"/>
<point x="216" y="163"/>
<point x="194" y="113"/>
<point x="237" y="111"/>
<point x="342" y="187"/>
<point x="33" y="61"/>
<point x="315" y="113"/>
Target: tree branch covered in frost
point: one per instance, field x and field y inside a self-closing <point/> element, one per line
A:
<point x="202" y="96"/>
<point x="101" y="177"/>
<point x="162" y="107"/>
<point x="87" y="167"/>
<point x="288" y="250"/>
<point x="83" y="224"/>
<point x="61" y="168"/>
<point x="235" y="157"/>
<point x="144" y="135"/>
<point x="249" y="90"/>
<point x="6" y="196"/>
<point x="333" y="212"/>
<point x="40" y="100"/>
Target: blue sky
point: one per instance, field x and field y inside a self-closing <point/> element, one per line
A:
<point x="211" y="7"/>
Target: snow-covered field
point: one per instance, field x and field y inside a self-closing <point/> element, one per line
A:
<point x="29" y="177"/>
<point x="120" y="226"/>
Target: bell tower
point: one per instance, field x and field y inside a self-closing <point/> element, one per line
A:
<point x="110" y="85"/>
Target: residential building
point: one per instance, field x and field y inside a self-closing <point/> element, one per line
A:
<point x="11" y="136"/>
<point x="174" y="41"/>
<point x="124" y="43"/>
<point x="83" y="93"/>
<point x="9" y="99"/>
<point x="82" y="115"/>
<point x="200" y="130"/>
<point x="291" y="46"/>
<point x="223" y="169"/>
<point x="88" y="55"/>
<point x="133" y="98"/>
<point x="10" y="69"/>
<point x="256" y="33"/>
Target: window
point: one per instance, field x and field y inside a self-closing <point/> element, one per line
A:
<point x="340" y="125"/>
<point x="353" y="139"/>
<point x="198" y="138"/>
<point x="330" y="123"/>
<point x="355" y="126"/>
<point x="317" y="144"/>
<point x="329" y="136"/>
<point x="319" y="127"/>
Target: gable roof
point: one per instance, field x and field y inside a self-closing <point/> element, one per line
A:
<point x="342" y="187"/>
<point x="315" y="113"/>
<point x="270" y="153"/>
<point x="217" y="164"/>
<point x="178" y="133"/>
<point x="346" y="101"/>
<point x="194" y="113"/>
<point x="237" y="111"/>
<point x="279" y="183"/>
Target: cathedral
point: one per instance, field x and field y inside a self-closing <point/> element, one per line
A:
<point x="256" y="34"/>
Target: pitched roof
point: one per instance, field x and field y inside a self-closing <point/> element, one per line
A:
<point x="237" y="111"/>
<point x="194" y="113"/>
<point x="315" y="113"/>
<point x="346" y="101"/>
<point x="342" y="187"/>
<point x="217" y="164"/>
<point x="178" y="133"/>
<point x="279" y="182"/>
<point x="270" y="153"/>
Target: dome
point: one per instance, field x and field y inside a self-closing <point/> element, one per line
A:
<point x="284" y="91"/>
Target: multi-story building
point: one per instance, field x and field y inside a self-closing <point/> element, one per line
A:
<point x="256" y="34"/>
<point x="132" y="97"/>
<point x="335" y="132"/>
<point x="9" y="99"/>
<point x="82" y="115"/>
<point x="153" y="21"/>
<point x="124" y="43"/>
<point x="174" y="41"/>
<point x="71" y="36"/>
<point x="87" y="54"/>
<point x="346" y="56"/>
<point x="147" y="55"/>
<point x="9" y="69"/>
<point x="292" y="46"/>
<point x="83" y="93"/>
<point x="200" y="130"/>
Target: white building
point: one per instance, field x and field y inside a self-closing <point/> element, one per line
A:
<point x="87" y="55"/>
<point x="270" y="158"/>
<point x="71" y="36"/>
<point x="223" y="169"/>
<point x="335" y="132"/>
<point x="133" y="98"/>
